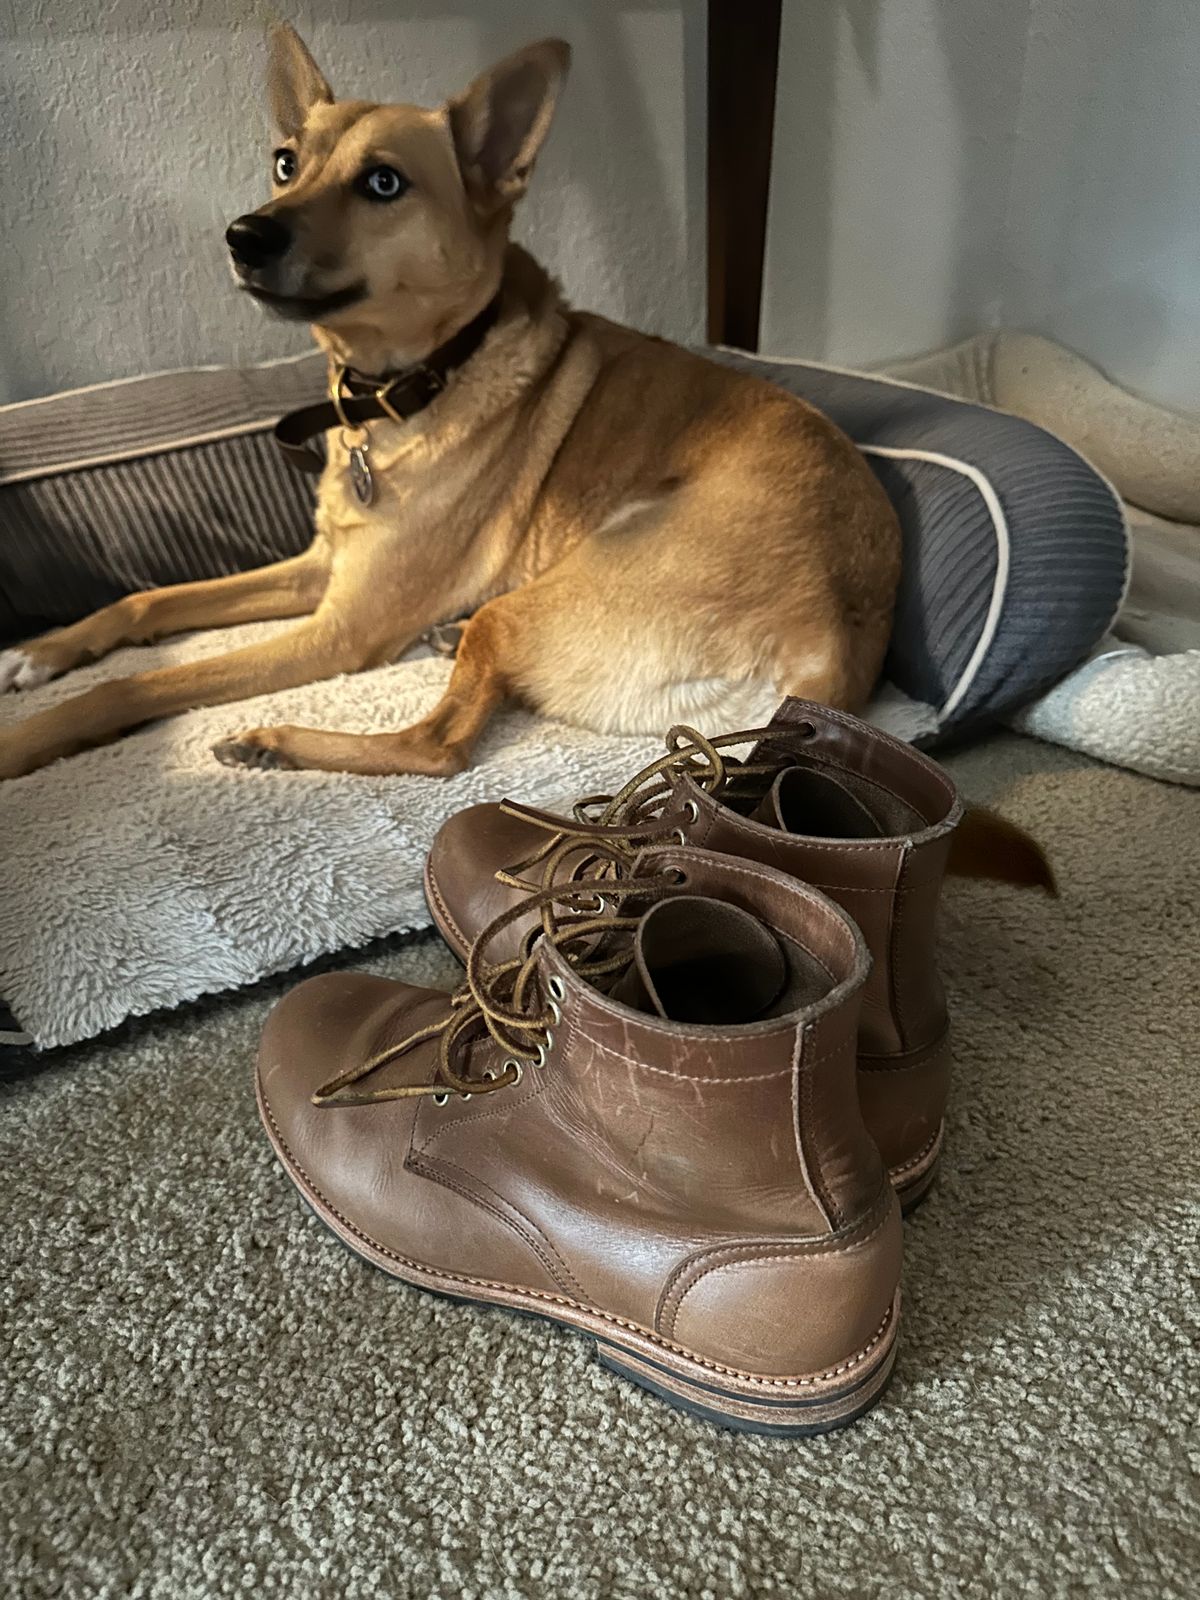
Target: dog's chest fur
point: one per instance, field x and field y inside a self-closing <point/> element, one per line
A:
<point x="457" y="488"/>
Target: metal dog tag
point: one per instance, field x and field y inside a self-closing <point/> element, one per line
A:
<point x="360" y="475"/>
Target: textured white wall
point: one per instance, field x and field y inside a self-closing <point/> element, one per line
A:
<point x="133" y="131"/>
<point x="943" y="166"/>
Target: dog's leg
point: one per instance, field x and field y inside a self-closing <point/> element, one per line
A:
<point x="437" y="747"/>
<point x="287" y="589"/>
<point x="319" y="648"/>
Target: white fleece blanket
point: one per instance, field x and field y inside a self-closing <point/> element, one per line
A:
<point x="144" y="874"/>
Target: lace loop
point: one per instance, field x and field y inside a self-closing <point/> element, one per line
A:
<point x="504" y="998"/>
<point x="599" y="857"/>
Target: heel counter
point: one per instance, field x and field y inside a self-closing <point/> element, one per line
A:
<point x="903" y="1100"/>
<point x="915" y="992"/>
<point x="790" y="1308"/>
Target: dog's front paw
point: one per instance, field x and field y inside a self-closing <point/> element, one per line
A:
<point x="19" y="670"/>
<point x="261" y="747"/>
<point x="16" y="760"/>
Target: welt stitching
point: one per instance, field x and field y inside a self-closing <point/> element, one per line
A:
<point x="650" y="1335"/>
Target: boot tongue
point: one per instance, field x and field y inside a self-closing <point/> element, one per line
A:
<point x="803" y="800"/>
<point x="701" y="960"/>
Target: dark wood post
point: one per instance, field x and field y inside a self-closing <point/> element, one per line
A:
<point x="743" y="63"/>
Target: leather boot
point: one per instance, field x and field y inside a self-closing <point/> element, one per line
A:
<point x="823" y="796"/>
<point x="646" y="1129"/>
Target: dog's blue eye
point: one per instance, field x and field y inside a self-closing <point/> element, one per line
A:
<point x="284" y="165"/>
<point x="384" y="183"/>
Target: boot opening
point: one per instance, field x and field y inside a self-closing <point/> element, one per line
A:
<point x="697" y="960"/>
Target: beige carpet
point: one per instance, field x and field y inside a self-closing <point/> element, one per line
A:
<point x="208" y="1396"/>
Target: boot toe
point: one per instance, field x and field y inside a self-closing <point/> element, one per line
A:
<point x="322" y="1028"/>
<point x="460" y="877"/>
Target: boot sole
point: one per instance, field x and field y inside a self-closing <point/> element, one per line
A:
<point x="792" y="1407"/>
<point x="912" y="1181"/>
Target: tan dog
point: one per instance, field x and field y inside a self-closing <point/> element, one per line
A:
<point x="631" y="529"/>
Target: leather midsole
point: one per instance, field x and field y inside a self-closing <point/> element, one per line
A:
<point x="907" y="1173"/>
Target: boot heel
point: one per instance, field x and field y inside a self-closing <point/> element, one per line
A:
<point x="913" y="1181"/>
<point x="826" y="1403"/>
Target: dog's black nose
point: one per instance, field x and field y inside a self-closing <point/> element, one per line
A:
<point x="254" y="239"/>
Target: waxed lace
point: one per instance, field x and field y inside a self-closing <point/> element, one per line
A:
<point x="606" y="849"/>
<point x="506" y="999"/>
<point x="637" y="815"/>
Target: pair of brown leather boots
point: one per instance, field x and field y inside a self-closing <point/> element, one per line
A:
<point x="698" y="1067"/>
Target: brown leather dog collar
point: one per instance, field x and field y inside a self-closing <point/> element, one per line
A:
<point x="361" y="399"/>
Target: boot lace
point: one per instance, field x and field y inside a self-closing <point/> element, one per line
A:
<point x="579" y="911"/>
<point x="636" y="816"/>
<point x="505" y="999"/>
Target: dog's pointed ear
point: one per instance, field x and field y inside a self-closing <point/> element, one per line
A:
<point x="499" y="123"/>
<point x="294" y="81"/>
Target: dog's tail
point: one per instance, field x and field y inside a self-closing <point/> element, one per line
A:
<point x="987" y="845"/>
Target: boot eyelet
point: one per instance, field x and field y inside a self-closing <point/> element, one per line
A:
<point x="557" y="988"/>
<point x="517" y="1068"/>
<point x="555" y="1012"/>
<point x="543" y="1051"/>
<point x="691" y="811"/>
<point x="441" y="1099"/>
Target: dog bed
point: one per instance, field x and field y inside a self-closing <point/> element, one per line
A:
<point x="145" y="874"/>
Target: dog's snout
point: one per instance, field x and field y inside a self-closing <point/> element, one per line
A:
<point x="255" y="239"/>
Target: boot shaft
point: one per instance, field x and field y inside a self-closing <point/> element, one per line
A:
<point x="889" y="883"/>
<point x="742" y="1127"/>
